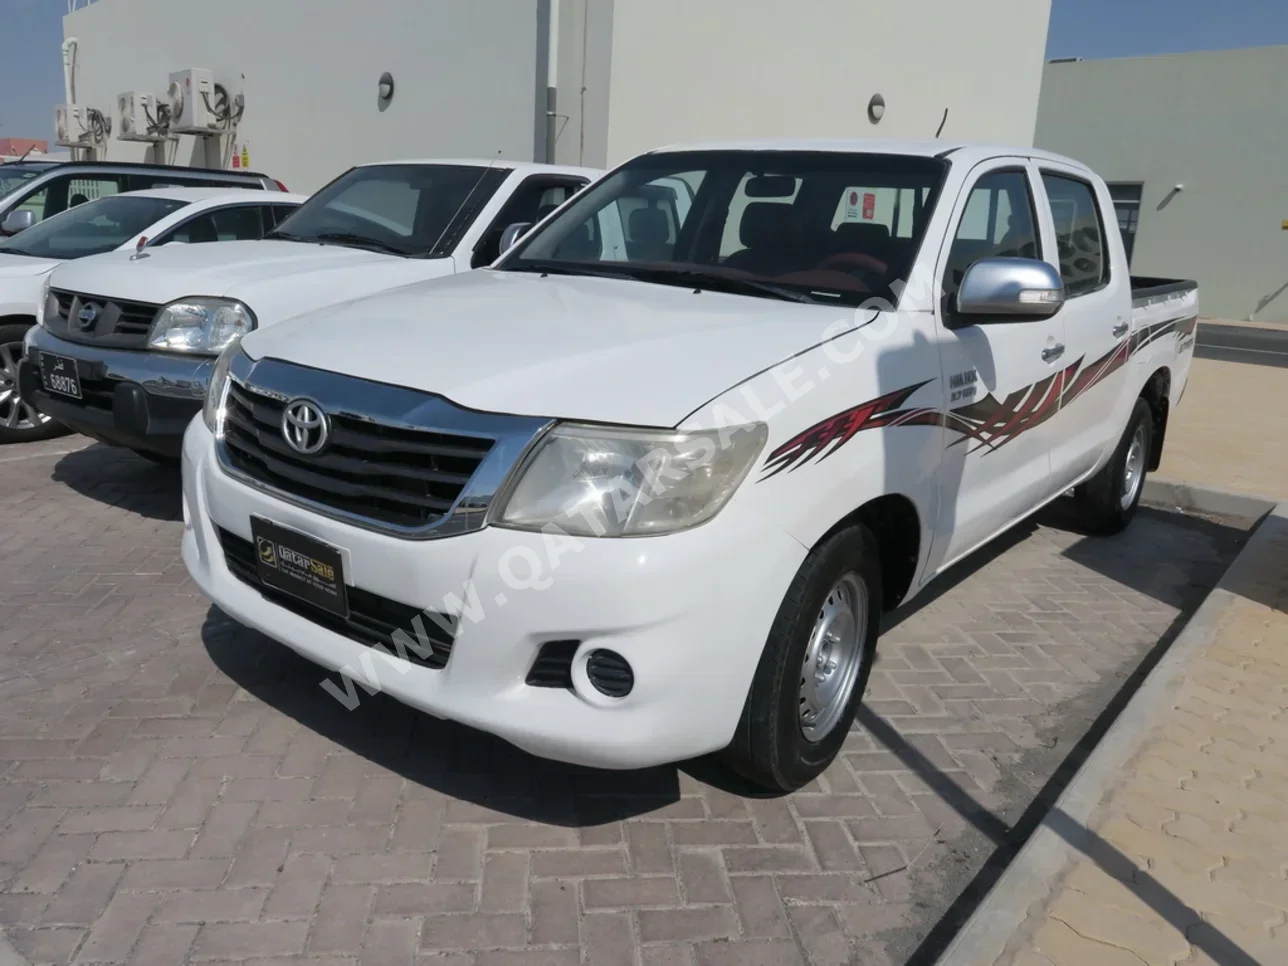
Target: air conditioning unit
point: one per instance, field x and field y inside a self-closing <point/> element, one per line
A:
<point x="70" y="129"/>
<point x="192" y="102"/>
<point x="137" y="118"/>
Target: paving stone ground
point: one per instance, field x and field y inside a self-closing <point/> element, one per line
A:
<point x="177" y="789"/>
<point x="1187" y="861"/>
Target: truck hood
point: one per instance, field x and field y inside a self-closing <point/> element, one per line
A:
<point x="23" y="266"/>
<point x="562" y="347"/>
<point x="260" y="273"/>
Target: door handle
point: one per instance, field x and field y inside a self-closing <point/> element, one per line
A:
<point x="1120" y="330"/>
<point x="1052" y="352"/>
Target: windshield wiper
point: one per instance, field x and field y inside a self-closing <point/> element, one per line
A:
<point x="358" y="241"/>
<point x="285" y="236"/>
<point x="718" y="282"/>
<point x="572" y="268"/>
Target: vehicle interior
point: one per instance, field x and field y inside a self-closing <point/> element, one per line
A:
<point x="839" y="226"/>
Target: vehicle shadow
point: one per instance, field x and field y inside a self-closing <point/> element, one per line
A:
<point x="121" y="478"/>
<point x="450" y="758"/>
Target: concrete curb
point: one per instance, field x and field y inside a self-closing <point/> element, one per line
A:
<point x="1228" y="503"/>
<point x="1036" y="868"/>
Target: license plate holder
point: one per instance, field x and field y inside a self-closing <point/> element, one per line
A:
<point x="299" y="565"/>
<point x="59" y="375"/>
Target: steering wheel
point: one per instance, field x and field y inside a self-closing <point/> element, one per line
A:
<point x="864" y="267"/>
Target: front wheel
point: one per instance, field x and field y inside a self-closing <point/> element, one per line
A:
<point x="1107" y="502"/>
<point x="815" y="666"/>
<point x="19" y="422"/>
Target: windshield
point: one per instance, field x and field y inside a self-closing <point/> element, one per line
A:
<point x="15" y="175"/>
<point x="827" y="227"/>
<point x="90" y="228"/>
<point x="405" y="209"/>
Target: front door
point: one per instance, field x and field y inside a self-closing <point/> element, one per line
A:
<point x="1002" y="378"/>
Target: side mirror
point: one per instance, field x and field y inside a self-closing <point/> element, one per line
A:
<point x="1010" y="290"/>
<point x="17" y="221"/>
<point x="512" y="234"/>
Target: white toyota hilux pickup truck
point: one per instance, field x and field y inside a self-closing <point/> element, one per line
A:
<point x="142" y="364"/>
<point x="628" y="508"/>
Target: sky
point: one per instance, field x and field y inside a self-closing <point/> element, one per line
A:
<point x="31" y="80"/>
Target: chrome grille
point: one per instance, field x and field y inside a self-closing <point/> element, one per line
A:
<point x="120" y="324"/>
<point x="405" y="477"/>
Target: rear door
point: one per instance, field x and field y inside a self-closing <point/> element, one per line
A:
<point x="1096" y="316"/>
<point x="1001" y="378"/>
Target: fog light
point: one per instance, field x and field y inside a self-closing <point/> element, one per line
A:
<point x="609" y="672"/>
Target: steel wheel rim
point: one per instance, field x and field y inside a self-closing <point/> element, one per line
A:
<point x="14" y="413"/>
<point x="1134" y="469"/>
<point x="834" y="657"/>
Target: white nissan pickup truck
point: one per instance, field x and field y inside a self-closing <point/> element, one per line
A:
<point x="625" y="508"/>
<point x="158" y="319"/>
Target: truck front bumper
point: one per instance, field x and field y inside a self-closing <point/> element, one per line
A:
<point x="141" y="400"/>
<point x="689" y="612"/>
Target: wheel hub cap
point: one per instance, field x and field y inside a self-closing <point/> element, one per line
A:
<point x="1134" y="470"/>
<point x="14" y="413"/>
<point x="834" y="657"/>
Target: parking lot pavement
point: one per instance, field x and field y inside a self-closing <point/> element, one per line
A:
<point x="175" y="788"/>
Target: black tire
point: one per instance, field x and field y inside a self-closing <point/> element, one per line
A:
<point x="1103" y="503"/>
<point x="770" y="747"/>
<point x="19" y="423"/>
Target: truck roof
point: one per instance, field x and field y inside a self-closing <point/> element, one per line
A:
<point x="966" y="151"/>
<point x="146" y="166"/>
<point x="534" y="167"/>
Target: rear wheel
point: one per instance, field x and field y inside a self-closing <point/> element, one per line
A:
<point x="1108" y="501"/>
<point x="19" y="422"/>
<point x="814" y="668"/>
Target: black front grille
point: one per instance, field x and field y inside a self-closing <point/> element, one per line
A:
<point x="408" y="478"/>
<point x="117" y="323"/>
<point x="372" y="620"/>
<point x="553" y="665"/>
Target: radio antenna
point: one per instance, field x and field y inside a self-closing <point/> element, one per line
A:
<point x="464" y="201"/>
<point x="942" y="123"/>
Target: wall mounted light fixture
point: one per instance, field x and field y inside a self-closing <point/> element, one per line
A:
<point x="876" y="108"/>
<point x="386" y="88"/>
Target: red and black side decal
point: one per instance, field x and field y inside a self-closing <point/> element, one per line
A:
<point x="989" y="423"/>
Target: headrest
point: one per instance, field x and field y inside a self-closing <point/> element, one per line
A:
<point x="649" y="226"/>
<point x="859" y="235"/>
<point x="767" y="224"/>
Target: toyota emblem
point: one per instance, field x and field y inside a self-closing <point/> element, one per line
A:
<point x="305" y="427"/>
<point x="87" y="316"/>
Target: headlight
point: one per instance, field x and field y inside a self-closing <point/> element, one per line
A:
<point x="200" y="325"/>
<point x="212" y="411"/>
<point x="43" y="305"/>
<point x="600" y="481"/>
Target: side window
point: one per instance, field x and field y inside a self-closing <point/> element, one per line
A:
<point x="226" y="224"/>
<point x="67" y="192"/>
<point x="81" y="190"/>
<point x="1079" y="235"/>
<point x="998" y="221"/>
<point x="531" y="202"/>
<point x="1126" y="198"/>
<point x="195" y="231"/>
<point x="274" y="215"/>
